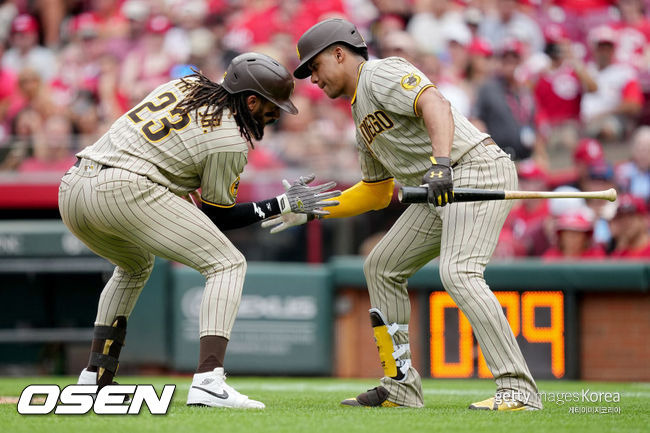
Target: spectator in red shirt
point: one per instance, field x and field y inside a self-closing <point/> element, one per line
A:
<point x="148" y="65"/>
<point x="574" y="238"/>
<point x="8" y="81"/>
<point x="630" y="229"/>
<point x="259" y="21"/>
<point x="633" y="30"/>
<point x="526" y="220"/>
<point x="559" y="90"/>
<point x="79" y="61"/>
<point x="583" y="6"/>
<point x="112" y="23"/>
<point x="611" y="111"/>
<point x="588" y="153"/>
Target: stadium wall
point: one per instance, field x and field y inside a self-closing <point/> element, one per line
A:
<point x="572" y="320"/>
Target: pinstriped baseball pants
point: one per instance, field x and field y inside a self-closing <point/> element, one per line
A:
<point x="127" y="219"/>
<point x="464" y="235"/>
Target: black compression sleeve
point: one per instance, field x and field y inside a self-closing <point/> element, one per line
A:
<point x="242" y="214"/>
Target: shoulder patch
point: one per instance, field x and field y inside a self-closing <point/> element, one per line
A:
<point x="410" y="81"/>
<point x="234" y="188"/>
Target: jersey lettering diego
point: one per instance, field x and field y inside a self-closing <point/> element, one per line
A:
<point x="391" y="137"/>
<point x="175" y="150"/>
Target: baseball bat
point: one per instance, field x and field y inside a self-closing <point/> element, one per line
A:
<point x="418" y="194"/>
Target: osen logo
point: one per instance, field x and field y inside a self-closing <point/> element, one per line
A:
<point x="80" y="399"/>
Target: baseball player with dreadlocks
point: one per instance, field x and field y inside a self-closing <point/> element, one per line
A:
<point x="123" y="200"/>
<point x="407" y="131"/>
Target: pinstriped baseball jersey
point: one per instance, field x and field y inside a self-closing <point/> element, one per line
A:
<point x="393" y="141"/>
<point x="173" y="150"/>
<point x="391" y="137"/>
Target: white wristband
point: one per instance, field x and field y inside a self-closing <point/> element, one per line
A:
<point x="283" y="202"/>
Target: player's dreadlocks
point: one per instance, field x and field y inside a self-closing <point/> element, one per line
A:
<point x="203" y="92"/>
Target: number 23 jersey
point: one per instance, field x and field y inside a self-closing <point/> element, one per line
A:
<point x="155" y="140"/>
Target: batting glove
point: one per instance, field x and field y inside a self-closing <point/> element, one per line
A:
<point x="440" y="181"/>
<point x="281" y="223"/>
<point x="302" y="198"/>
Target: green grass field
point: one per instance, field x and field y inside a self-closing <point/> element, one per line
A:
<point x="310" y="405"/>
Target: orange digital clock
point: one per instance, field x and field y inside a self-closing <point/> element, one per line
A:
<point x="524" y="312"/>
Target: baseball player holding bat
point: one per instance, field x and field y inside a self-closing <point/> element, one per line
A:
<point x="123" y="200"/>
<point x="408" y="132"/>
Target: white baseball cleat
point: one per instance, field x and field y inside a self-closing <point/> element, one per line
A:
<point x="210" y="389"/>
<point x="87" y="378"/>
<point x="90" y="378"/>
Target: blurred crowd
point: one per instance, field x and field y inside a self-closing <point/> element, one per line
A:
<point x="563" y="86"/>
<point x="584" y="229"/>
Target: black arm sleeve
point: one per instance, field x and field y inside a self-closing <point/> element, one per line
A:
<point x="242" y="214"/>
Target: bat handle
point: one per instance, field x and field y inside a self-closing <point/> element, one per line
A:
<point x="412" y="194"/>
<point x="418" y="194"/>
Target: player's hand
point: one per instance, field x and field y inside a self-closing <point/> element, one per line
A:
<point x="440" y="181"/>
<point x="306" y="199"/>
<point x="281" y="223"/>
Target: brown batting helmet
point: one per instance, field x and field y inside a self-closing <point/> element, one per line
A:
<point x="263" y="75"/>
<point x="321" y="36"/>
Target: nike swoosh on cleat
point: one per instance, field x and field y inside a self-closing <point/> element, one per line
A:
<point x="223" y="395"/>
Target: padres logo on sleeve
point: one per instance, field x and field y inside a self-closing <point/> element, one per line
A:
<point x="410" y="81"/>
<point x="234" y="187"/>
